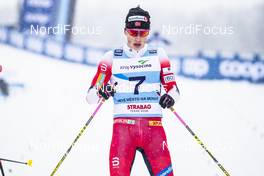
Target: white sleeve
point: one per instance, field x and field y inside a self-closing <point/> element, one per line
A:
<point x="92" y="95"/>
<point x="174" y="92"/>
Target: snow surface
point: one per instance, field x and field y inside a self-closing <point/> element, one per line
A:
<point x="40" y="122"/>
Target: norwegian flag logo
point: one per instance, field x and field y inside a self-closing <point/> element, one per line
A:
<point x="137" y="23"/>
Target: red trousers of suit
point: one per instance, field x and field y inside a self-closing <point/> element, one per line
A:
<point x="145" y="135"/>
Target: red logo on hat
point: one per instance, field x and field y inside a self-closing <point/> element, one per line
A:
<point x="137" y="23"/>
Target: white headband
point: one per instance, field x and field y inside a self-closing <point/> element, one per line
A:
<point x="137" y="18"/>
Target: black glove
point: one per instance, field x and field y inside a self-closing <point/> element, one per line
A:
<point x="166" y="101"/>
<point x="107" y="91"/>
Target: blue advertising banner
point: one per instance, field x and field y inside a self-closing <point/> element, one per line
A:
<point x="38" y="13"/>
<point x="198" y="67"/>
<point x="219" y="68"/>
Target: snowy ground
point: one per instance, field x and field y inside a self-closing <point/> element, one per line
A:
<point x="40" y="121"/>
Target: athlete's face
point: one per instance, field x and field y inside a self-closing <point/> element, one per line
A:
<point x="136" y="38"/>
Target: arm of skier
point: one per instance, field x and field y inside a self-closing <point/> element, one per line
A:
<point x="99" y="84"/>
<point x="168" y="81"/>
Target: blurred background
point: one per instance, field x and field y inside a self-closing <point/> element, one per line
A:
<point x="49" y="50"/>
<point x="243" y="18"/>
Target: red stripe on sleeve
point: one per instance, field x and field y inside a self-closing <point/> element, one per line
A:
<point x="103" y="74"/>
<point x="166" y="75"/>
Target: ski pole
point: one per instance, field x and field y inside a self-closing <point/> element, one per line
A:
<point x="76" y="139"/>
<point x="2" y="169"/>
<point x="199" y="142"/>
<point x="29" y="162"/>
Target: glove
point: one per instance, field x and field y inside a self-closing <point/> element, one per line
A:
<point x="106" y="91"/>
<point x="166" y="101"/>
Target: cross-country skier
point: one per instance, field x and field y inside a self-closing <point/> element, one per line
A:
<point x="134" y="76"/>
<point x="4" y="89"/>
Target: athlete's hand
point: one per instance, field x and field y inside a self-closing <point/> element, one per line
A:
<point x="166" y="101"/>
<point x="106" y="91"/>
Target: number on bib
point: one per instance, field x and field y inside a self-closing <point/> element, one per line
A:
<point x="141" y="79"/>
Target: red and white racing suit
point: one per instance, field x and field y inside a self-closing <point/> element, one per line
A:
<point x="138" y="77"/>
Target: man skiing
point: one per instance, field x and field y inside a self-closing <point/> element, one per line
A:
<point x="4" y="89"/>
<point x="136" y="76"/>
